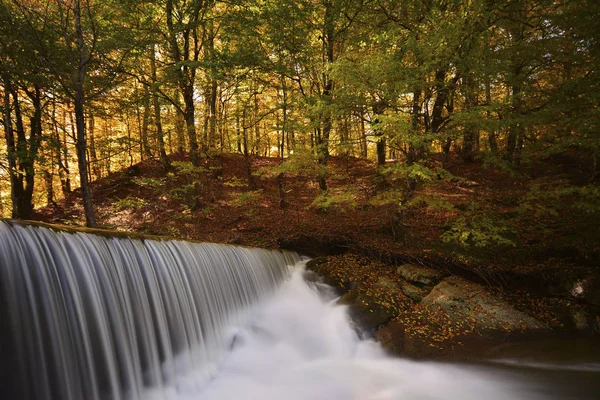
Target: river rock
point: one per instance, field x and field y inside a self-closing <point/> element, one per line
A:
<point x="340" y="282"/>
<point x="386" y="284"/>
<point x="419" y="275"/>
<point x="464" y="300"/>
<point x="580" y="284"/>
<point x="413" y="292"/>
<point x="366" y="311"/>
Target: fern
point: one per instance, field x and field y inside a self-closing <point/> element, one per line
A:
<point x="479" y="230"/>
<point x="325" y="201"/>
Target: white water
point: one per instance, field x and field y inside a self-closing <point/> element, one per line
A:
<point x="90" y="317"/>
<point x="302" y="346"/>
<point x="579" y="367"/>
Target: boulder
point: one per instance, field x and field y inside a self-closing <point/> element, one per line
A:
<point x="315" y="263"/>
<point x="464" y="300"/>
<point x="579" y="284"/>
<point x="395" y="338"/>
<point x="339" y="282"/>
<point x="413" y="292"/>
<point x="386" y="284"/>
<point x="419" y="275"/>
<point x="367" y="313"/>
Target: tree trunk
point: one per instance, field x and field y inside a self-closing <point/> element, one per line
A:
<point x="413" y="150"/>
<point x="186" y="73"/>
<point x="179" y="123"/>
<point x="516" y="131"/>
<point x="35" y="136"/>
<point x="363" y="135"/>
<point x="323" y="139"/>
<point x="345" y="136"/>
<point x="212" y="117"/>
<point x="256" y="141"/>
<point x="107" y="148"/>
<point x="492" y="133"/>
<point x="381" y="150"/>
<point x="205" y="142"/>
<point x="22" y="152"/>
<point x="251" y="182"/>
<point x="49" y="188"/>
<point x="378" y="109"/>
<point x="93" y="155"/>
<point x="79" y="100"/>
<point x="224" y="126"/>
<point x="470" y="132"/>
<point x="284" y="123"/>
<point x="129" y="140"/>
<point x="157" y="117"/>
<point x="146" y="152"/>
<point x="11" y="149"/>
<point x="61" y="151"/>
<point x="190" y="122"/>
<point x="440" y="101"/>
<point x="238" y="132"/>
<point x="24" y="207"/>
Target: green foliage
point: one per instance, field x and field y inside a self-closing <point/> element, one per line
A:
<point x="184" y="215"/>
<point x="552" y="198"/>
<point x="434" y="202"/>
<point x="491" y="160"/>
<point x="301" y="162"/>
<point x="152" y="183"/>
<point x="184" y="193"/>
<point x="477" y="229"/>
<point x="247" y="199"/>
<point x="387" y="197"/>
<point x="187" y="168"/>
<point x="418" y="172"/>
<point x="343" y="200"/>
<point x="188" y="181"/>
<point x="129" y="202"/>
<point x="235" y="182"/>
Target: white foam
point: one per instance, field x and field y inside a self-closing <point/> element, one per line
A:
<point x="302" y="346"/>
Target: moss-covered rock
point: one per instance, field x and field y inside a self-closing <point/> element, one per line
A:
<point x="465" y="300"/>
<point x="414" y="292"/>
<point x="333" y="277"/>
<point x="368" y="312"/>
<point x="419" y="275"/>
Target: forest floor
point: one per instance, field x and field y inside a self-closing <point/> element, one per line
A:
<point x="477" y="222"/>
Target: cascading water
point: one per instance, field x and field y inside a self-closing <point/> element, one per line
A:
<point x="88" y="317"/>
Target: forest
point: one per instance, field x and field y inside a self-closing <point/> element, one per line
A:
<point x="422" y="92"/>
<point x="462" y="135"/>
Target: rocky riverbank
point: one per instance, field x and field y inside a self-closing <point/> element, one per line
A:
<point x="423" y="312"/>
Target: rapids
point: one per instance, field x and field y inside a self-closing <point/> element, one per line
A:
<point x="300" y="345"/>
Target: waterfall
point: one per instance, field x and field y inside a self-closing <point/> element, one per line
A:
<point x="84" y="316"/>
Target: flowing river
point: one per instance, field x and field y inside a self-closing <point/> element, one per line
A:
<point x="88" y="317"/>
<point x="301" y="345"/>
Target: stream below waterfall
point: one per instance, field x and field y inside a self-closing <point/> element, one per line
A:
<point x="88" y="317"/>
<point x="300" y="345"/>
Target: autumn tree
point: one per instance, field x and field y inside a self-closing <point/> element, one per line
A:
<point x="22" y="76"/>
<point x="83" y="49"/>
<point x="186" y="35"/>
